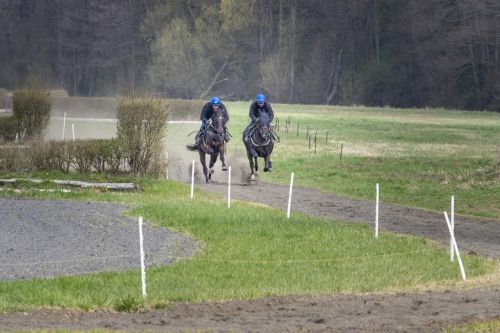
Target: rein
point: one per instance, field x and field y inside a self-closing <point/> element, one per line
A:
<point x="211" y="137"/>
<point x="254" y="140"/>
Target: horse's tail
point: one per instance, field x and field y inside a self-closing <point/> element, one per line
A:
<point x="192" y="147"/>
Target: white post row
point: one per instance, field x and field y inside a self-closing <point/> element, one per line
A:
<point x="377" y="190"/>
<point x="455" y="246"/>
<point x="192" y="181"/>
<point x="290" y="197"/>
<point x="143" y="266"/>
<point x="452" y="212"/>
<point x="229" y="188"/>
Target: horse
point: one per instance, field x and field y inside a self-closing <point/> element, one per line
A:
<point x="259" y="142"/>
<point x="212" y="143"/>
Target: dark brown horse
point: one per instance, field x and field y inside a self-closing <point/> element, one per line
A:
<point x="259" y="143"/>
<point x="212" y="143"/>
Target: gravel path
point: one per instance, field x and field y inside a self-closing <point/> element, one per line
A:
<point x="42" y="238"/>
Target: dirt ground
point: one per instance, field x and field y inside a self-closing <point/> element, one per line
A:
<point x="426" y="311"/>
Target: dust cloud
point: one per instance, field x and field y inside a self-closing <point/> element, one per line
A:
<point x="180" y="160"/>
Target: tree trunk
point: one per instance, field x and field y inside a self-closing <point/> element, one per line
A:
<point x="214" y="80"/>
<point x="293" y="17"/>
<point x="334" y="78"/>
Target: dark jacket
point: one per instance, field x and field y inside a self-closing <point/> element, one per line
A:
<point x="208" y="111"/>
<point x="255" y="111"/>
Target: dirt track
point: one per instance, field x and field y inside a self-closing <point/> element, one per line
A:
<point x="427" y="311"/>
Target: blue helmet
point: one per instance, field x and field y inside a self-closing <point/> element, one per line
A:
<point x="260" y="98"/>
<point x="215" y="101"/>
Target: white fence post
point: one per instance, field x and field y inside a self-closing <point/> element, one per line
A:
<point x="290" y="197"/>
<point x="229" y="188"/>
<point x="143" y="266"/>
<point x="452" y="212"/>
<point x="73" y="131"/>
<point x="377" y="190"/>
<point x="192" y="181"/>
<point x="456" y="246"/>
<point x="166" y="169"/>
<point x="64" y="126"/>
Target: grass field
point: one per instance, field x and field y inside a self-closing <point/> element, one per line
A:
<point x="419" y="157"/>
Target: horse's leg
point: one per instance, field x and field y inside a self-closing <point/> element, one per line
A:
<point x="250" y="160"/>
<point x="268" y="165"/>
<point x="270" y="150"/>
<point x="204" y="164"/>
<point x="256" y="166"/>
<point x="221" y="156"/>
<point x="213" y="158"/>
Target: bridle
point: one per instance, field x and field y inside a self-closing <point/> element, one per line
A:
<point x="258" y="140"/>
<point x="214" y="131"/>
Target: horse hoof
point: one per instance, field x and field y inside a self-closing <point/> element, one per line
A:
<point x="212" y="171"/>
<point x="266" y="169"/>
<point x="224" y="168"/>
<point x="252" y="178"/>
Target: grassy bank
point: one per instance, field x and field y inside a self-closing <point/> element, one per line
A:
<point x="247" y="251"/>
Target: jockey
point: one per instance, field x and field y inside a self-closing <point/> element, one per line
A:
<point x="259" y="106"/>
<point x="206" y="113"/>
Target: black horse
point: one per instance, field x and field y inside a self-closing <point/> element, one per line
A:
<point x="212" y="143"/>
<point x="259" y="142"/>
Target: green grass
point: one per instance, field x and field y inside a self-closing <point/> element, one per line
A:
<point x="419" y="156"/>
<point x="488" y="326"/>
<point x="245" y="252"/>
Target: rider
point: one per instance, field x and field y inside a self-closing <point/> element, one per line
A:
<point x="206" y="113"/>
<point x="259" y="106"/>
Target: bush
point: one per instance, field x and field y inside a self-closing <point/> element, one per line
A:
<point x="31" y="109"/>
<point x="50" y="155"/>
<point x="14" y="158"/>
<point x="141" y="132"/>
<point x="8" y="128"/>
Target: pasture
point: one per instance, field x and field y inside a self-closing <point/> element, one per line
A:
<point x="419" y="157"/>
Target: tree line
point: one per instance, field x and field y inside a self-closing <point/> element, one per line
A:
<point x="402" y="53"/>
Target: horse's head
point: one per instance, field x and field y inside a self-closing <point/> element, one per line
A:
<point x="218" y="121"/>
<point x="264" y="126"/>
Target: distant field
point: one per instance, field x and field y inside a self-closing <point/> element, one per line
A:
<point x="419" y="156"/>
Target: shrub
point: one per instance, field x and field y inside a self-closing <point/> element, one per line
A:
<point x="141" y="132"/>
<point x="14" y="158"/>
<point x="31" y="109"/>
<point x="50" y="155"/>
<point x="8" y="128"/>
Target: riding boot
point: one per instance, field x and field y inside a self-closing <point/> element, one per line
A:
<point x="246" y="135"/>
<point x="226" y="136"/>
<point x="197" y="141"/>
